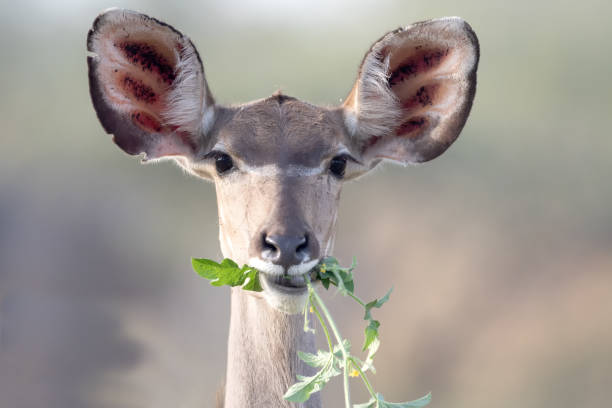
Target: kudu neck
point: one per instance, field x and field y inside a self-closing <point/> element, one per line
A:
<point x="262" y="354"/>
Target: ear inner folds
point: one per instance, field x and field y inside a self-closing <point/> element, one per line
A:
<point x="146" y="122"/>
<point x="148" y="59"/>
<point x="147" y="84"/>
<point x="414" y="91"/>
<point x="421" y="61"/>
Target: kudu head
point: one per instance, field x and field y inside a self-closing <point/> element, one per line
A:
<point x="278" y="164"/>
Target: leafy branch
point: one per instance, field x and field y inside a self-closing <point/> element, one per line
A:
<point x="338" y="360"/>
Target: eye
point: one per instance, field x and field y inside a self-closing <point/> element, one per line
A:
<point x="223" y="163"/>
<point x="337" y="166"/>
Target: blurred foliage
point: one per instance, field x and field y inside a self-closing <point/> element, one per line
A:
<point x="508" y="235"/>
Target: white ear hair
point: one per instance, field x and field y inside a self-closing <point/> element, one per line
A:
<point x="148" y="87"/>
<point x="375" y="106"/>
<point x="414" y="91"/>
<point x="190" y="106"/>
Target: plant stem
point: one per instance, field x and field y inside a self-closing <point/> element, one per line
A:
<point x="323" y="325"/>
<point x="364" y="377"/>
<point x="345" y="355"/>
<point x="356" y="299"/>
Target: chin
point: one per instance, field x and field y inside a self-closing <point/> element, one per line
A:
<point x="290" y="300"/>
<point x="285" y="292"/>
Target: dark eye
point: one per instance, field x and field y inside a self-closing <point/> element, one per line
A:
<point x="337" y="166"/>
<point x="223" y="163"/>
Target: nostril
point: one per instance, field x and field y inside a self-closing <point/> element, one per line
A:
<point x="285" y="250"/>
<point x="303" y="246"/>
<point x="268" y="244"/>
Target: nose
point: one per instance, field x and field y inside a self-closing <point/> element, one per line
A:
<point x="287" y="249"/>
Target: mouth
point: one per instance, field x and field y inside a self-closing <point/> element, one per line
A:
<point x="290" y="281"/>
<point x="286" y="283"/>
<point x="284" y="289"/>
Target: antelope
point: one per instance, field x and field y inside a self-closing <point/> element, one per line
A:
<point x="278" y="164"/>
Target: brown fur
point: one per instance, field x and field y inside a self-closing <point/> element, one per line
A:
<point x="280" y="183"/>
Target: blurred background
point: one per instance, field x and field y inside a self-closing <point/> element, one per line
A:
<point x="500" y="251"/>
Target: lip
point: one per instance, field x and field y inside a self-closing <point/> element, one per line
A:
<point x="283" y="280"/>
<point x="294" y="285"/>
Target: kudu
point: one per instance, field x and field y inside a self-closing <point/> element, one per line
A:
<point x="278" y="163"/>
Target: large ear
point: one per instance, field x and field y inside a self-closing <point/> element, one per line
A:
<point x="414" y="91"/>
<point x="147" y="85"/>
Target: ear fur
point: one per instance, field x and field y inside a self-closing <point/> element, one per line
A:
<point x="147" y="85"/>
<point x="414" y="91"/>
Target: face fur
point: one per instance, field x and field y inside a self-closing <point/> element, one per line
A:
<point x="278" y="164"/>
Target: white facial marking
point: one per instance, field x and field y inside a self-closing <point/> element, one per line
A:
<point x="272" y="170"/>
<point x="277" y="270"/>
<point x="219" y="146"/>
<point x="350" y="119"/>
<point x="267" y="267"/>
<point x="342" y="149"/>
<point x="208" y="119"/>
<point x="302" y="268"/>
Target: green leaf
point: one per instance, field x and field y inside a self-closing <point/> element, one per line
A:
<point x="227" y="273"/>
<point x="315" y="360"/>
<point x="301" y="391"/>
<point x="376" y="303"/>
<point x="371" y="342"/>
<point x="230" y="277"/>
<point x="338" y="351"/>
<point x="379" y="402"/>
<point x="251" y="280"/>
<point x="206" y="268"/>
<point x="369" y="362"/>
<point x="371" y="333"/>
<point x="330" y="271"/>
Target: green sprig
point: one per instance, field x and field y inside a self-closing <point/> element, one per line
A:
<point x="338" y="360"/>
<point x="228" y="273"/>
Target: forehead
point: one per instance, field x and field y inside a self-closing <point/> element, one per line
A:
<point x="282" y="130"/>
